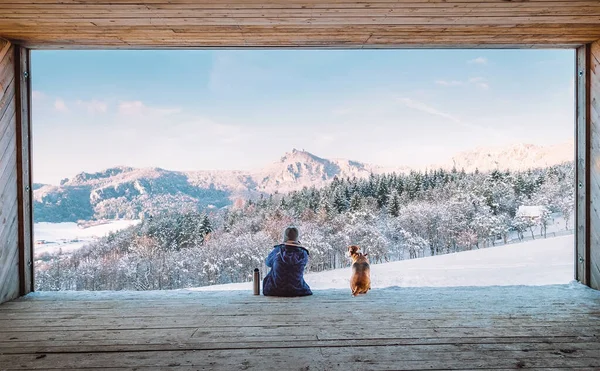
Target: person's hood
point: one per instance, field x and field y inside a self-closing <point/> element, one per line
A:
<point x="292" y="254"/>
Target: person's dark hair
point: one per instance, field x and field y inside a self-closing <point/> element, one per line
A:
<point x="290" y="234"/>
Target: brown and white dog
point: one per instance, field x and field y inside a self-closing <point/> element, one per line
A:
<point x="360" y="282"/>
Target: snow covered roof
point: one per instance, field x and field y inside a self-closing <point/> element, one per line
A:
<point x="531" y="211"/>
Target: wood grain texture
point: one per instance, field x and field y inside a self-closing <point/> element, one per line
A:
<point x="409" y="328"/>
<point x="296" y="23"/>
<point x="24" y="181"/>
<point x="582" y="180"/>
<point x="9" y="260"/>
<point x="593" y="110"/>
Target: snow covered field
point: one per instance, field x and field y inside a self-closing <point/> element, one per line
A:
<point x="69" y="236"/>
<point x="540" y="262"/>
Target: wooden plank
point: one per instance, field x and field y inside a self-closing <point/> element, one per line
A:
<point x="260" y="3"/>
<point x="24" y="181"/>
<point x="403" y="41"/>
<point x="6" y="69"/>
<point x="4" y="47"/>
<point x="171" y="12"/>
<point x="8" y="162"/>
<point x="9" y="219"/>
<point x="166" y="340"/>
<point x="399" y="31"/>
<point x="7" y="121"/>
<point x="10" y="287"/>
<point x="556" y="29"/>
<point x="9" y="278"/>
<point x="141" y="311"/>
<point x="528" y="302"/>
<point x="549" y="344"/>
<point x="193" y="336"/>
<point x="6" y="97"/>
<point x="316" y="358"/>
<point x="307" y="20"/>
<point x="357" y="358"/>
<point x="238" y="321"/>
<point x="15" y="7"/>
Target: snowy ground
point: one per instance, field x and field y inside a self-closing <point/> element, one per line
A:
<point x="540" y="262"/>
<point x="69" y="236"/>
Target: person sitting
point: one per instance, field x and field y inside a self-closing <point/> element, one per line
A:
<point x="287" y="262"/>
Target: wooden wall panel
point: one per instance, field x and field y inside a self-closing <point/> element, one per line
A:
<point x="593" y="110"/>
<point x="9" y="208"/>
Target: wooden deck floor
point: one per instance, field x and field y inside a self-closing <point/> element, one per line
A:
<point x="549" y="327"/>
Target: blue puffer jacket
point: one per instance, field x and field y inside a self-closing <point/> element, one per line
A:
<point x="286" y="277"/>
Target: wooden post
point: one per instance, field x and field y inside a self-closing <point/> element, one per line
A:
<point x="587" y="257"/>
<point x="24" y="181"/>
<point x="582" y="175"/>
<point x="592" y="112"/>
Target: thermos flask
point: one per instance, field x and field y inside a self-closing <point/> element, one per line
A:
<point x="256" y="281"/>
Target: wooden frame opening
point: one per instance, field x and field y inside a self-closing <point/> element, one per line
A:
<point x="310" y="23"/>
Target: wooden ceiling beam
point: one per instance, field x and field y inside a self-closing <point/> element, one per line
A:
<point x="310" y="23"/>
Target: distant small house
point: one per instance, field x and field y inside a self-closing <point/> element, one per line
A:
<point x="531" y="212"/>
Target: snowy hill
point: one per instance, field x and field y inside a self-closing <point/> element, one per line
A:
<point x="298" y="169"/>
<point x="122" y="192"/>
<point x="125" y="192"/>
<point x="514" y="157"/>
<point x="67" y="237"/>
<point x="539" y="262"/>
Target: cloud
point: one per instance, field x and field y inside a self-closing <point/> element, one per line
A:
<point x="480" y="82"/>
<point x="137" y="108"/>
<point x="450" y="83"/>
<point x="423" y="107"/>
<point x="478" y="60"/>
<point x="226" y="134"/>
<point x="37" y="95"/>
<point x="420" y="106"/>
<point x="94" y="106"/>
<point x="60" y="105"/>
<point x="191" y="129"/>
<point x="131" y="108"/>
<point x="325" y="139"/>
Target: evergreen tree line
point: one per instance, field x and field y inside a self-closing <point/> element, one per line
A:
<point x="391" y="216"/>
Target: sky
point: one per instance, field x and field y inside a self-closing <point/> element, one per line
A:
<point x="243" y="109"/>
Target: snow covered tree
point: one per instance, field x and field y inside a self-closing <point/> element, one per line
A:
<point x="388" y="215"/>
<point x="355" y="202"/>
<point x="206" y="226"/>
<point x="394" y="205"/>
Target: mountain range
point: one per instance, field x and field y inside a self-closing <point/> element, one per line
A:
<point x="126" y="192"/>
